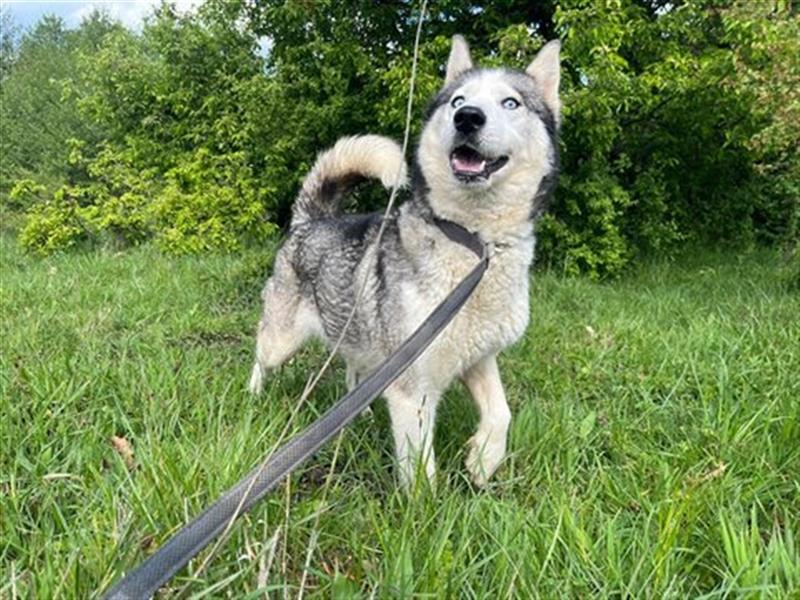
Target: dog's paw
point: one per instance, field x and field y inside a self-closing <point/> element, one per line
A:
<point x="256" y="380"/>
<point x="483" y="458"/>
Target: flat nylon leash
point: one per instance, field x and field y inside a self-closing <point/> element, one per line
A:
<point x="170" y="558"/>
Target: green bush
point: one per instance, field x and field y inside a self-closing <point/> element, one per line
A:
<point x="54" y="224"/>
<point x="210" y="203"/>
<point x="24" y="194"/>
<point x="680" y="121"/>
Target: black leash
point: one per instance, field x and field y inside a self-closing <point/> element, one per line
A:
<point x="160" y="567"/>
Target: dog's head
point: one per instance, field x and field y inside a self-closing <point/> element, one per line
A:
<point x="492" y="132"/>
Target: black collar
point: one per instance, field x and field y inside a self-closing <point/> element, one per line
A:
<point x="461" y="235"/>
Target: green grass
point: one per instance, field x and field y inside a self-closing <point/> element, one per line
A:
<point x="655" y="447"/>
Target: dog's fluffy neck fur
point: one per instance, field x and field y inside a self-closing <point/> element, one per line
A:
<point x="487" y="212"/>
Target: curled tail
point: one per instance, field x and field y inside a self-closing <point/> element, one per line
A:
<point x="351" y="160"/>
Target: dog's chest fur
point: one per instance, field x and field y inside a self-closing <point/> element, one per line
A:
<point x="494" y="317"/>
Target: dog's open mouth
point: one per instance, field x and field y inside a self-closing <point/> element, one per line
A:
<point x="470" y="165"/>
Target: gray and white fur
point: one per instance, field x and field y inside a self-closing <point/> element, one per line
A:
<point x="487" y="159"/>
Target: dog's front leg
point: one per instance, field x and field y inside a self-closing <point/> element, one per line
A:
<point x="488" y="445"/>
<point x="413" y="413"/>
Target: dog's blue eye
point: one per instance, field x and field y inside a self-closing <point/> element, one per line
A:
<point x="457" y="101"/>
<point x="510" y="103"/>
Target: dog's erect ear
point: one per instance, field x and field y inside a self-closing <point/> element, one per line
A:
<point x="459" y="60"/>
<point x="545" y="69"/>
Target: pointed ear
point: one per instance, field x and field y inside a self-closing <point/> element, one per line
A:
<point x="545" y="69"/>
<point x="459" y="60"/>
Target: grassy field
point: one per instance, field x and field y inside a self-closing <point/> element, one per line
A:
<point x="655" y="447"/>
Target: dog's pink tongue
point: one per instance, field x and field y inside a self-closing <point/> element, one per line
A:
<point x="468" y="165"/>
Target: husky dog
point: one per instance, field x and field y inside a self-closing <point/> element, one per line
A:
<point x="487" y="160"/>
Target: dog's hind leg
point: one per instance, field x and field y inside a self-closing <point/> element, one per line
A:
<point x="413" y="413"/>
<point x="488" y="445"/>
<point x="352" y="379"/>
<point x="287" y="322"/>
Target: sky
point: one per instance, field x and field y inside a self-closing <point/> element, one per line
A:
<point x="130" y="12"/>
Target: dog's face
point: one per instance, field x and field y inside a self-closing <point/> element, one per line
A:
<point x="491" y="128"/>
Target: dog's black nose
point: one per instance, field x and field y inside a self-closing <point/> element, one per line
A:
<point x="468" y="119"/>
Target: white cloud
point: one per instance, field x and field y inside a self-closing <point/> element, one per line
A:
<point x="130" y="13"/>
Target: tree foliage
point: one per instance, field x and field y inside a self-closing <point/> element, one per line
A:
<point x="681" y="119"/>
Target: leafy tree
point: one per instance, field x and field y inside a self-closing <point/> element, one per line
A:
<point x="38" y="101"/>
<point x="8" y="35"/>
<point x="176" y="161"/>
<point x="680" y="117"/>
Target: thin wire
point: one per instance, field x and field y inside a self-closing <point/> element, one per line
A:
<point x="406" y="136"/>
<point x="374" y="249"/>
<point x="371" y="254"/>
